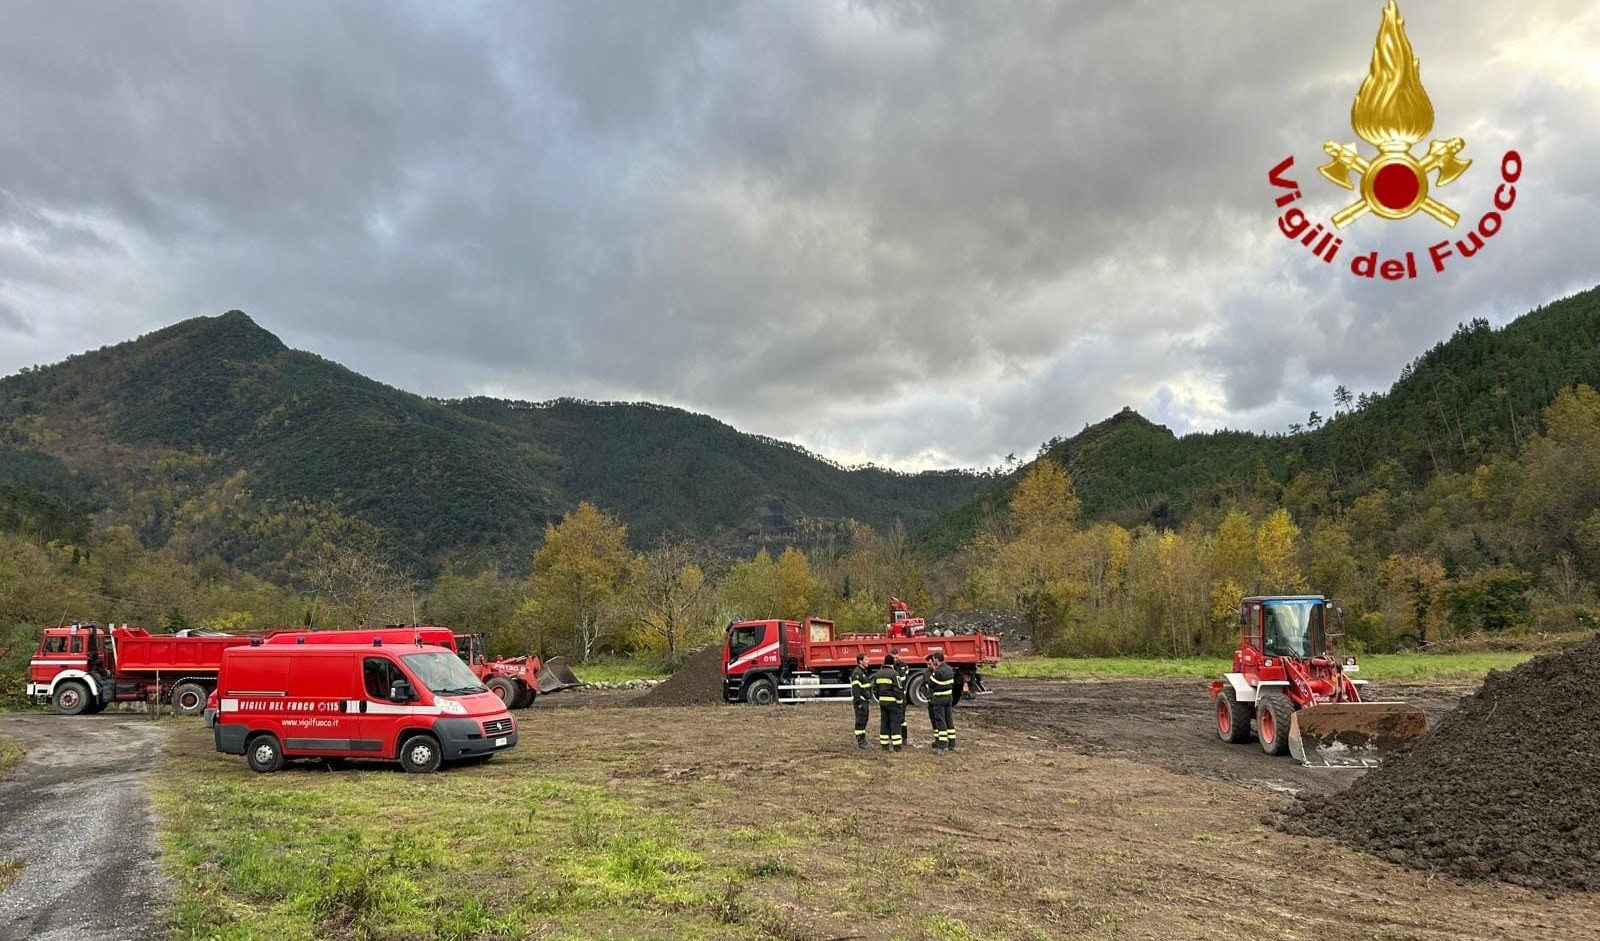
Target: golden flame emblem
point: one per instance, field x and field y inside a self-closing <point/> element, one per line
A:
<point x="1392" y="113"/>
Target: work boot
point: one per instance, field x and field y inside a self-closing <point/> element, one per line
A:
<point x="896" y="747"/>
<point x="884" y="747"/>
<point x="862" y="743"/>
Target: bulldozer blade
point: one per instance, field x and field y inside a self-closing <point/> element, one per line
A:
<point x="1352" y="735"/>
<point x="555" y="675"/>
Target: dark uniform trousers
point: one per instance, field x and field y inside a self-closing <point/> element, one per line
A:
<point x="861" y="699"/>
<point x="941" y="699"/>
<point x="891" y="707"/>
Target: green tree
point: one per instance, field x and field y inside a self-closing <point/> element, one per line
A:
<point x="1277" y="544"/>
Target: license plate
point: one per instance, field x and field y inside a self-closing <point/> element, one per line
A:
<point x="1352" y="668"/>
<point x="499" y="743"/>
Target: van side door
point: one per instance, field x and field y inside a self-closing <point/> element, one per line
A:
<point x="382" y="716"/>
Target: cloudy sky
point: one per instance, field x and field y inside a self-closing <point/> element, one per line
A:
<point x="920" y="234"/>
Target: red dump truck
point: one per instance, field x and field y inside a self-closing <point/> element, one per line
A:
<point x="82" y="668"/>
<point x="774" y="660"/>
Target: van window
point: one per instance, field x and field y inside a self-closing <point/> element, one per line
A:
<point x="56" y="644"/>
<point x="379" y="674"/>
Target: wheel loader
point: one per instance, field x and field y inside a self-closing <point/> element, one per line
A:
<point x="1300" y="696"/>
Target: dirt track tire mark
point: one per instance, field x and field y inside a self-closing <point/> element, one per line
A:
<point x="77" y="814"/>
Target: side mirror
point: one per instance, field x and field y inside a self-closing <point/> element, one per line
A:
<point x="401" y="691"/>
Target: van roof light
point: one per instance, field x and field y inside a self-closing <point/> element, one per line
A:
<point x="255" y="642"/>
<point x="300" y="640"/>
<point x="377" y="641"/>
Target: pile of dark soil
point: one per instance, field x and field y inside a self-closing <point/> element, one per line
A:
<point x="696" y="683"/>
<point x="1504" y="788"/>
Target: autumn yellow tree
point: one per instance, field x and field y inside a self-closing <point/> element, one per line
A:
<point x="668" y="600"/>
<point x="1277" y="544"/>
<point x="577" y="577"/>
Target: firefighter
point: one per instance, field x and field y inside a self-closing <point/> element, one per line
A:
<point x="861" y="698"/>
<point x="902" y="670"/>
<point x="941" y="697"/>
<point x="891" y="706"/>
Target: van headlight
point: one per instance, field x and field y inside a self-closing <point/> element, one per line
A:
<point x="452" y="707"/>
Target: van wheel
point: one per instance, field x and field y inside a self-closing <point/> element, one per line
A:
<point x="264" y="754"/>
<point x="420" y="754"/>
<point x="189" y="698"/>
<point x="71" y="698"/>
<point x="505" y="688"/>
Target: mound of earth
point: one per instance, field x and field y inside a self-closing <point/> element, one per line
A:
<point x="696" y="683"/>
<point x="1503" y="788"/>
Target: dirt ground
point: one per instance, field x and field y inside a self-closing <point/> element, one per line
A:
<point x="76" y="815"/>
<point x="1072" y="810"/>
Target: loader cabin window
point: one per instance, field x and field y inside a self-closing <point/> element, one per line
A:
<point x="1294" y="629"/>
<point x="443" y="673"/>
<point x="741" y="639"/>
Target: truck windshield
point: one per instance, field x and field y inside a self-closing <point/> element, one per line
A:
<point x="741" y="639"/>
<point x="443" y="673"/>
<point x="1294" y="629"/>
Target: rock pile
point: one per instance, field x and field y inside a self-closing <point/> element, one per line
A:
<point x="1504" y="788"/>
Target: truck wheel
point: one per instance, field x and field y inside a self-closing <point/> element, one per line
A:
<point x="525" y="696"/>
<point x="1272" y="723"/>
<point x="263" y="754"/>
<point x="420" y="754"/>
<point x="762" y="692"/>
<point x="505" y="688"/>
<point x="1233" y="718"/>
<point x="189" y="698"/>
<point x="71" y="698"/>
<point x="917" y="688"/>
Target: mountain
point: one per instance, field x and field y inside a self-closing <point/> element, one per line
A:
<point x="1470" y="397"/>
<point x="213" y="436"/>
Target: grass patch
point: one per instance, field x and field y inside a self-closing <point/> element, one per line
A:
<point x="1399" y="667"/>
<point x="10" y="869"/>
<point x="11" y="754"/>
<point x="618" y="671"/>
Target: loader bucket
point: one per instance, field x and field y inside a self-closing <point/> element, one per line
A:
<point x="555" y="675"/>
<point x="1352" y="735"/>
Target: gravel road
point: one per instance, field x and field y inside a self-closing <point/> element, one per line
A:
<point x="77" y="815"/>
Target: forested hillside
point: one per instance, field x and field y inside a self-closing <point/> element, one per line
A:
<point x="207" y="474"/>
<point x="213" y="437"/>
<point x="1473" y="396"/>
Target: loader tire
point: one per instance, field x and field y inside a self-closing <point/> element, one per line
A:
<point x="189" y="699"/>
<point x="525" y="696"/>
<point x="1233" y="718"/>
<point x="1273" y="713"/>
<point x="504" y="688"/>
<point x="421" y="754"/>
<point x="71" y="699"/>
<point x="762" y="692"/>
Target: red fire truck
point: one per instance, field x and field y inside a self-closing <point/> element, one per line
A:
<point x="774" y="660"/>
<point x="82" y="668"/>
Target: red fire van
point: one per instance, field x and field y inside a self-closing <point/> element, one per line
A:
<point x="420" y="706"/>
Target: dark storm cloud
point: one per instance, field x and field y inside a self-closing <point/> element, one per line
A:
<point x="915" y="233"/>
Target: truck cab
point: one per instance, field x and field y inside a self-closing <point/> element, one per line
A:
<point x="70" y="662"/>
